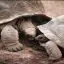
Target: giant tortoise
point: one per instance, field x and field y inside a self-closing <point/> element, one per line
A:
<point x="17" y="16"/>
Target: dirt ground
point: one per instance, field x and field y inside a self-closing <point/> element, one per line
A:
<point x="32" y="53"/>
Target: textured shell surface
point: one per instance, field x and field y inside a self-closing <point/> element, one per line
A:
<point x="11" y="9"/>
<point x="54" y="30"/>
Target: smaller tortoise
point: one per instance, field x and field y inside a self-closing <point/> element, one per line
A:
<point x="54" y="31"/>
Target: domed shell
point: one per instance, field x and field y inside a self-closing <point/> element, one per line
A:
<point x="11" y="9"/>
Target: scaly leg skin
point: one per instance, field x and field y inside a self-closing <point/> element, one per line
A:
<point x="10" y="38"/>
<point x="52" y="50"/>
<point x="28" y="28"/>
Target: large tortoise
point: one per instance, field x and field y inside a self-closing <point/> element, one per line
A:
<point x="10" y="24"/>
<point x="53" y="32"/>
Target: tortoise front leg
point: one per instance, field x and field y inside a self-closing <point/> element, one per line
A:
<point x="10" y="38"/>
<point x="52" y="50"/>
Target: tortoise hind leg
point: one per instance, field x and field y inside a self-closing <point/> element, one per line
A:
<point x="10" y="39"/>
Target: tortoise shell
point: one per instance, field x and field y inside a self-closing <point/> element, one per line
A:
<point x="12" y="9"/>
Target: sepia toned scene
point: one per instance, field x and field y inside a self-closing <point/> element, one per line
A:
<point x="31" y="32"/>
